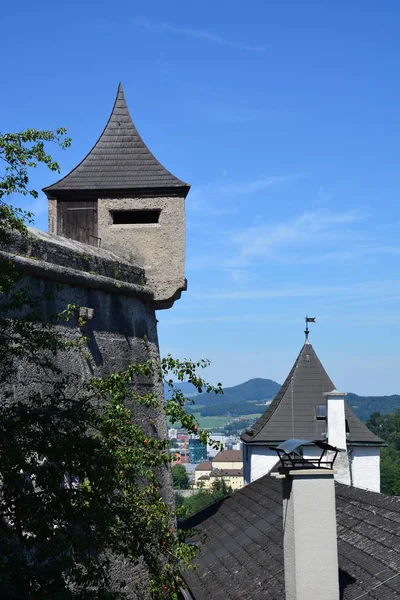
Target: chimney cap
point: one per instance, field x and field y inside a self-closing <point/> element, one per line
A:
<point x="291" y="455"/>
<point x="336" y="393"/>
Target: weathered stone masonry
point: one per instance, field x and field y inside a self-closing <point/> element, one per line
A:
<point x="121" y="329"/>
<point x="116" y="250"/>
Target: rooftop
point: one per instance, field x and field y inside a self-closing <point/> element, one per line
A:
<point x="242" y="555"/>
<point x="228" y="456"/>
<point x="204" y="466"/>
<point x="226" y="472"/>
<point x="120" y="160"/>
<point x="292" y="413"/>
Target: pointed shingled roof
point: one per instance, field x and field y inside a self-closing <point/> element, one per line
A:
<point x="120" y="160"/>
<point x="292" y="412"/>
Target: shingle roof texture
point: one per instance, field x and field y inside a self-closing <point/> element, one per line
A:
<point x="292" y="412"/>
<point x="119" y="160"/>
<point x="242" y="555"/>
<point x="230" y="472"/>
<point x="204" y="466"/>
<point x="229" y="456"/>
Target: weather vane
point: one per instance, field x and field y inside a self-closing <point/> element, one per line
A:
<point x="308" y="320"/>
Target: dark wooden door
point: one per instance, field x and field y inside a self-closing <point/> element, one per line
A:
<point x="78" y="221"/>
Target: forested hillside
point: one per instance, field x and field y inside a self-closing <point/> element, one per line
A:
<point x="388" y="428"/>
<point x="247" y="398"/>
<point x="364" y="406"/>
<point x="253" y="396"/>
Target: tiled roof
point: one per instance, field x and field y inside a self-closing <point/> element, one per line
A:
<point x="229" y="456"/>
<point x="204" y="478"/>
<point x="242" y="555"/>
<point x="292" y="413"/>
<point x="227" y="472"/>
<point x="204" y="466"/>
<point x="119" y="160"/>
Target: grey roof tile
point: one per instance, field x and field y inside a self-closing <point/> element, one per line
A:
<point x="120" y="160"/>
<point x="291" y="413"/>
<point x="241" y="558"/>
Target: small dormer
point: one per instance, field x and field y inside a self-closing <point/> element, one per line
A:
<point x="122" y="199"/>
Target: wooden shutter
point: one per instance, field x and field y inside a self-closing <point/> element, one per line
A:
<point x="78" y="221"/>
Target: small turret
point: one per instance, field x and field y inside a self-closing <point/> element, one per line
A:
<point x="122" y="199"/>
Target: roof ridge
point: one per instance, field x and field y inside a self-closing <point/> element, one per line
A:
<point x="269" y="412"/>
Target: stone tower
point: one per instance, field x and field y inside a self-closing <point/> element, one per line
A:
<point x="115" y="251"/>
<point x="122" y="199"/>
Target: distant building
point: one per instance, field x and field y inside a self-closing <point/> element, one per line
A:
<point x="226" y="465"/>
<point x="202" y="474"/>
<point x="228" y="459"/>
<point x="197" y="450"/>
<point x="172" y="433"/>
<point x="184" y="458"/>
<point x="229" y="442"/>
<point x="232" y="477"/>
<point x="310" y="408"/>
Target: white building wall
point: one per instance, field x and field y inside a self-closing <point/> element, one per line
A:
<point x="365" y="468"/>
<point x="258" y="461"/>
<point x="365" y="465"/>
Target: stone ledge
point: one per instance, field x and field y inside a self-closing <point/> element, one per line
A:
<point x="46" y="270"/>
<point x="57" y="250"/>
<point x="48" y="256"/>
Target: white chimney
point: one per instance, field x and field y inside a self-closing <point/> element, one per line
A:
<point x="336" y="424"/>
<point x="309" y="541"/>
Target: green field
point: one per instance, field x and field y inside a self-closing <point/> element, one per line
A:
<point x="211" y="422"/>
<point x="216" y="422"/>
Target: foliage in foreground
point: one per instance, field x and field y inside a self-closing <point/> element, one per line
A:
<point x="388" y="428"/>
<point x="79" y="478"/>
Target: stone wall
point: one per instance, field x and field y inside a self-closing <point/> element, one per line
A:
<point x="159" y="248"/>
<point x="122" y="327"/>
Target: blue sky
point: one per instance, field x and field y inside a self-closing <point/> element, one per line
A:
<point x="284" y="118"/>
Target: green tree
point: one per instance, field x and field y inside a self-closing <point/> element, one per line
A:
<point x="194" y="504"/>
<point x="79" y="478"/>
<point x="388" y="428"/>
<point x="179" y="501"/>
<point x="180" y="478"/>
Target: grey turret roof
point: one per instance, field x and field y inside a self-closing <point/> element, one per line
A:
<point x="292" y="413"/>
<point x="120" y="160"/>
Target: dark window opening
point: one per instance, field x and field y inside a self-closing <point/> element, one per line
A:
<point x="132" y="217"/>
<point x="320" y="412"/>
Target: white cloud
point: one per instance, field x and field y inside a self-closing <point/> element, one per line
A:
<point x="313" y="237"/>
<point x="241" y="276"/>
<point x="369" y="290"/>
<point x="199" y="34"/>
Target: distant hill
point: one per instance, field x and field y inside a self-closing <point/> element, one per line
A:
<point x="250" y="396"/>
<point x="255" y="390"/>
<point x="187" y="388"/>
<point x="364" y="406"/>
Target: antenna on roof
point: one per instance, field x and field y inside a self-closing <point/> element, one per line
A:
<point x="308" y="320"/>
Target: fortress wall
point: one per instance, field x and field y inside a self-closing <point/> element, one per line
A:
<point x="122" y="328"/>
